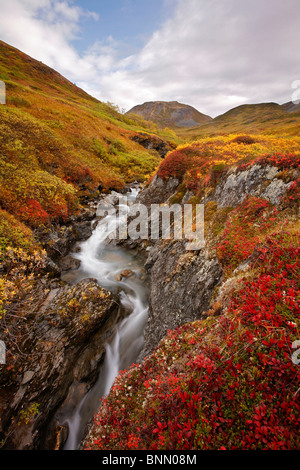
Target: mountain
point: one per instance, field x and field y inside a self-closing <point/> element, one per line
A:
<point x="170" y="114"/>
<point x="269" y="118"/>
<point x="291" y="107"/>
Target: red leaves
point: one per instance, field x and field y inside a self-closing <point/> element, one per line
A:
<point x="233" y="387"/>
<point x="178" y="162"/>
<point x="243" y="230"/>
<point x="281" y="161"/>
<point x="32" y="213"/>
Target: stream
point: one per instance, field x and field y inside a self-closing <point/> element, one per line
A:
<point x="106" y="263"/>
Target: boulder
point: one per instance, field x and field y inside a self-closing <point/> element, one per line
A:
<point x="65" y="347"/>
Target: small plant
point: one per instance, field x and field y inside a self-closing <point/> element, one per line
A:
<point x="117" y="147"/>
<point x="243" y="231"/>
<point x="27" y="415"/>
<point x="244" y="139"/>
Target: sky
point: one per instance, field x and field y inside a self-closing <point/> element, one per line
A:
<point x="211" y="54"/>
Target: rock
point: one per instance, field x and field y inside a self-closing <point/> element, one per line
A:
<point x="51" y="268"/>
<point x="27" y="377"/>
<point x="181" y="289"/>
<point x="61" y="437"/>
<point x="111" y="199"/>
<point x="68" y="330"/>
<point x="59" y="242"/>
<point x="68" y="263"/>
<point x="126" y="273"/>
<point x="258" y="180"/>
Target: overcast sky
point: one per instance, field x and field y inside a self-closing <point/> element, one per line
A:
<point x="211" y="54"/>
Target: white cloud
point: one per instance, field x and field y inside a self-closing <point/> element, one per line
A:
<point x="213" y="55"/>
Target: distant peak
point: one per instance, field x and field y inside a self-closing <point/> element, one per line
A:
<point x="170" y="114"/>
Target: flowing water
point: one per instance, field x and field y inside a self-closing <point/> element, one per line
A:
<point x="105" y="263"/>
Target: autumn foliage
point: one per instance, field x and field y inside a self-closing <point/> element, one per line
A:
<point x="225" y="382"/>
<point x="228" y="381"/>
<point x="221" y="383"/>
<point x="202" y="163"/>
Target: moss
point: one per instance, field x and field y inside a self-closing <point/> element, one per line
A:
<point x="177" y="198"/>
<point x="210" y="210"/>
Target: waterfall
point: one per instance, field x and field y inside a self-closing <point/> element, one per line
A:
<point x="105" y="263"/>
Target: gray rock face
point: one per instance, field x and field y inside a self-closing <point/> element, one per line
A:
<point x="182" y="283"/>
<point x="65" y="346"/>
<point x="257" y="181"/>
<point x="181" y="287"/>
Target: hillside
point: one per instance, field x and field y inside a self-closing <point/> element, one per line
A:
<point x="219" y="368"/>
<point x="169" y="114"/>
<point x="57" y="143"/>
<point x="263" y="118"/>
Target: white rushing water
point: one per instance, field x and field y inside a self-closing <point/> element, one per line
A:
<point x="105" y="263"/>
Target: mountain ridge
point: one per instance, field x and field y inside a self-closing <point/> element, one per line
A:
<point x="188" y="122"/>
<point x="170" y="113"/>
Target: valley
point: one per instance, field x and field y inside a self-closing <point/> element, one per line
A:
<point x="212" y="329"/>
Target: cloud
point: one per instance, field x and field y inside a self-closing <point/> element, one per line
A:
<point x="211" y="54"/>
<point x="214" y="55"/>
<point x="218" y="54"/>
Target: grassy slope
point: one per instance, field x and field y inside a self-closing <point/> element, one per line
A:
<point x="264" y="118"/>
<point x="57" y="143"/>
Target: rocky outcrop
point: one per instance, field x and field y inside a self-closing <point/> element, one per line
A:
<point x="68" y="328"/>
<point x="152" y="142"/>
<point x="62" y="347"/>
<point x="158" y="192"/>
<point x="258" y="180"/>
<point x="183" y="284"/>
<point x="181" y="287"/>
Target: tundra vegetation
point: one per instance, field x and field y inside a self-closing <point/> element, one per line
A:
<point x="223" y="382"/>
<point x="227" y="381"/>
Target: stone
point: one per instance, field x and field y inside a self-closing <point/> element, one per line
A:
<point x="27" y="377"/>
<point x="126" y="273"/>
<point x="68" y="263"/>
<point x="181" y="288"/>
<point x="70" y="326"/>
